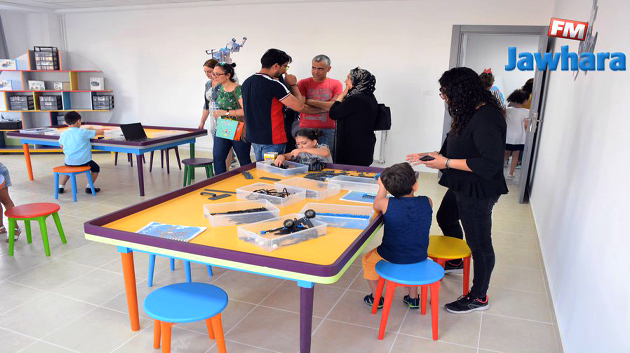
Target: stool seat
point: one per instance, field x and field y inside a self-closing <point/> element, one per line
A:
<point x="185" y="302"/>
<point x="416" y="274"/>
<point x="68" y="169"/>
<point x="197" y="161"/>
<point x="444" y="247"/>
<point x="32" y="210"/>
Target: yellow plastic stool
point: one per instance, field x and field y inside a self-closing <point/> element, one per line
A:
<point x="443" y="248"/>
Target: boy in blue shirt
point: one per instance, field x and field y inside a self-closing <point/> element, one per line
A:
<point x="77" y="148"/>
<point x="407" y="224"/>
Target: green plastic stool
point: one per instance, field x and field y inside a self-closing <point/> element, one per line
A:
<point x="34" y="212"/>
<point x="189" y="168"/>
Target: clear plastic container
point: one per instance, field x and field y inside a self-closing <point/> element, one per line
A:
<point x="317" y="190"/>
<point x="251" y="233"/>
<point x="341" y="216"/>
<point x="351" y="183"/>
<point x="292" y="168"/>
<point x="247" y="193"/>
<point x="221" y="220"/>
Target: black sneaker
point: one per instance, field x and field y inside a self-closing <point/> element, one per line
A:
<point x="89" y="191"/>
<point x="466" y="304"/>
<point x="60" y="190"/>
<point x="412" y="303"/>
<point x="456" y="266"/>
<point x="369" y="300"/>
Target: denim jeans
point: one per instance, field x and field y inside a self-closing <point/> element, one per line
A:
<point x="260" y="150"/>
<point x="221" y="149"/>
<point x="476" y="217"/>
<point x="328" y="139"/>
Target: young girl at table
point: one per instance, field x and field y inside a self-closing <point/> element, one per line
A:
<point x="407" y="223"/>
<point x="307" y="148"/>
<point x="5" y="199"/>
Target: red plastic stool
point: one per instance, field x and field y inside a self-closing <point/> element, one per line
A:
<point x="425" y="274"/>
<point x="31" y="212"/>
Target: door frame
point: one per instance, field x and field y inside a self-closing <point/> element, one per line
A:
<point x="538" y="93"/>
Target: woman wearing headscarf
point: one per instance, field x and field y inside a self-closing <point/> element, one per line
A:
<point x="355" y="112"/>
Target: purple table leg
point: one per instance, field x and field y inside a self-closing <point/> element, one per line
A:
<point x="307" y="291"/>
<point x="140" y="173"/>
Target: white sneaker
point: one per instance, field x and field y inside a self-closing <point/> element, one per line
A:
<point x="511" y="177"/>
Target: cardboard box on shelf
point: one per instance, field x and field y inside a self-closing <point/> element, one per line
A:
<point x="97" y="83"/>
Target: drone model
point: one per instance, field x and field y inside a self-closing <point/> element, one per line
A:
<point x="293" y="225"/>
<point x="223" y="54"/>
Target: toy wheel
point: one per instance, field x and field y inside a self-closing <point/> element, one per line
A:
<point x="289" y="223"/>
<point x="309" y="214"/>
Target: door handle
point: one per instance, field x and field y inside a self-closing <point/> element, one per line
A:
<point x="533" y="122"/>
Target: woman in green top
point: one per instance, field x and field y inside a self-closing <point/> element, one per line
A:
<point x="230" y="106"/>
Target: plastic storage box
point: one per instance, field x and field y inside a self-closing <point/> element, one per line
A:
<point x="247" y="193"/>
<point x="292" y="168"/>
<point x="317" y="190"/>
<point x="270" y="242"/>
<point x="222" y="220"/>
<point x="341" y="216"/>
<point x="351" y="183"/>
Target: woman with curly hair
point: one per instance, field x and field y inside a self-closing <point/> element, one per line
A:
<point x="471" y="160"/>
<point x="355" y="112"/>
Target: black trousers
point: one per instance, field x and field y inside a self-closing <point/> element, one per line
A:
<point x="476" y="218"/>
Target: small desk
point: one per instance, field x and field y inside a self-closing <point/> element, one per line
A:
<point x="322" y="260"/>
<point x="181" y="137"/>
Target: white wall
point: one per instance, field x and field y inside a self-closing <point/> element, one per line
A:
<point x="152" y="57"/>
<point x="24" y="30"/>
<point x="490" y="51"/>
<point x="581" y="194"/>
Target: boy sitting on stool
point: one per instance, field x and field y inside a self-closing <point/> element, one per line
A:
<point x="407" y="224"/>
<point x="77" y="148"/>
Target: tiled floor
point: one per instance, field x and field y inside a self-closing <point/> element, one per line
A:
<point x="74" y="301"/>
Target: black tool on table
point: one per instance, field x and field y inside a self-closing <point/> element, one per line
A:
<point x="268" y="178"/>
<point x="218" y="197"/>
<point x="294" y="225"/>
<point x="249" y="210"/>
<point x="247" y="175"/>
<point x="227" y="192"/>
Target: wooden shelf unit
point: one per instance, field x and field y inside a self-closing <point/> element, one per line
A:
<point x="76" y="98"/>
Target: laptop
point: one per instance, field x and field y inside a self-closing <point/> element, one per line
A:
<point x="134" y="132"/>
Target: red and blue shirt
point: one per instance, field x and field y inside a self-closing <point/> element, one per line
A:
<point x="264" y="116"/>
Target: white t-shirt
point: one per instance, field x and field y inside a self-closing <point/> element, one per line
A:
<point x="516" y="125"/>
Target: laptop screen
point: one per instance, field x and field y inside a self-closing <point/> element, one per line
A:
<point x="133" y="131"/>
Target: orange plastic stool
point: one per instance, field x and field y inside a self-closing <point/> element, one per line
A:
<point x="443" y="248"/>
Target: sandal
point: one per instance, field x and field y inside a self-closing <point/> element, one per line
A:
<point x="18" y="231"/>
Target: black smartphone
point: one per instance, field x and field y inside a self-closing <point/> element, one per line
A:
<point x="427" y="158"/>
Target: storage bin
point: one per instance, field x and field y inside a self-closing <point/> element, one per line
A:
<point x="270" y="242"/>
<point x="341" y="216"/>
<point x="351" y="183"/>
<point x="317" y="190"/>
<point x="247" y="193"/>
<point x="221" y="220"/>
<point x="292" y="168"/>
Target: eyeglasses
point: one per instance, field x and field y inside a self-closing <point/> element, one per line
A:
<point x="219" y="74"/>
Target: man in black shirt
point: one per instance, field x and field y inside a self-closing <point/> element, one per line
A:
<point x="263" y="99"/>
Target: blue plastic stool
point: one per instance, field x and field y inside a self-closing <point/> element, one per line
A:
<point x="425" y="274"/>
<point x="72" y="172"/>
<point x="183" y="303"/>
<point x="172" y="263"/>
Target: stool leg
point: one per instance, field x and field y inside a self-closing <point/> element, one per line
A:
<point x="177" y="155"/>
<point x="378" y="294"/>
<point x="56" y="186"/>
<point x="210" y="274"/>
<point x="424" y="300"/>
<point x="130" y="159"/>
<point x="435" y="298"/>
<point x="218" y="333"/>
<point x="210" y="330"/>
<point x="89" y="178"/>
<point x="59" y="228"/>
<point x="151" y="270"/>
<point x="188" y="272"/>
<point x="466" y="275"/>
<point x="168" y="167"/>
<point x="151" y="162"/>
<point x="27" y="228"/>
<point x="74" y="187"/>
<point x="191" y="175"/>
<point x="207" y="171"/>
<point x="157" y="330"/>
<point x="166" y="336"/>
<point x="211" y="169"/>
<point x="12" y="224"/>
<point x="44" y="231"/>
<point x="172" y="264"/>
<point x="115" y="158"/>
<point x="162" y="158"/>
<point x="185" y="174"/>
<point x="389" y="298"/>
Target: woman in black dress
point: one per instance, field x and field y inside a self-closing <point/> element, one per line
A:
<point x="355" y="112"/>
<point x="471" y="160"/>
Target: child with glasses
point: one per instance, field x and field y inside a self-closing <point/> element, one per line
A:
<point x="307" y="148"/>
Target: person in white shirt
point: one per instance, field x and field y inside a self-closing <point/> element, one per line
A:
<point x="517" y="118"/>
